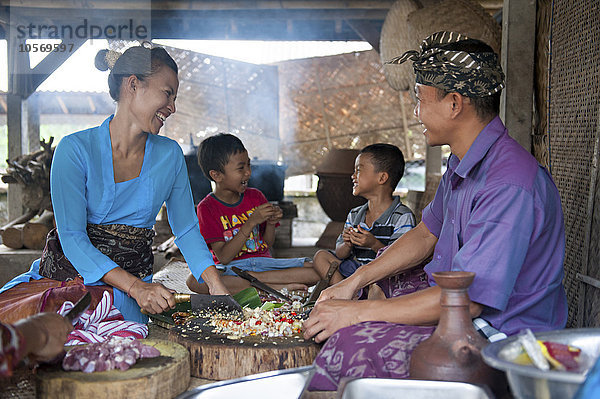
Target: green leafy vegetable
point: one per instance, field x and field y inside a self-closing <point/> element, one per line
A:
<point x="248" y="297"/>
<point x="271" y="305"/>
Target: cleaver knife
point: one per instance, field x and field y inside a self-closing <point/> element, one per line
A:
<point x="259" y="284"/>
<point x="80" y="307"/>
<point x="200" y="301"/>
<point x="322" y="284"/>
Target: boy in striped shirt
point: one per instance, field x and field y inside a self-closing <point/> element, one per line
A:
<point x="377" y="170"/>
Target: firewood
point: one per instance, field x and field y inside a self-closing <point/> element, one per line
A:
<point x="35" y="231"/>
<point x="34" y="235"/>
<point x="12" y="237"/>
<point x="20" y="220"/>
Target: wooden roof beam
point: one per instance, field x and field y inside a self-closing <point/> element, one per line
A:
<point x="203" y="5"/>
<point x="367" y="31"/>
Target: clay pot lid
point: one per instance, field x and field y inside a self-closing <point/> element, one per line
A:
<point x="339" y="161"/>
<point x="453" y="279"/>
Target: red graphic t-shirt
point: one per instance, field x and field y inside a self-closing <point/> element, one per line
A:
<point x="221" y="222"/>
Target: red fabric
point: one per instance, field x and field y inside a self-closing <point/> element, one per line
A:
<point x="219" y="222"/>
<point x="11" y="350"/>
<point x="44" y="295"/>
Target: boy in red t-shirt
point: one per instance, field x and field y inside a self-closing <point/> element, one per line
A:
<point x="238" y="223"/>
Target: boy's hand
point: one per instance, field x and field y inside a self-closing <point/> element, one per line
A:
<point x="276" y="217"/>
<point x="363" y="238"/>
<point x="261" y="213"/>
<point x="346" y="235"/>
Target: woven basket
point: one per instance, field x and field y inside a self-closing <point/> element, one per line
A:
<point x="407" y="24"/>
<point x="395" y="40"/>
<point x="462" y="16"/>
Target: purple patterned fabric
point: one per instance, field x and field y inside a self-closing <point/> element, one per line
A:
<point x="373" y="348"/>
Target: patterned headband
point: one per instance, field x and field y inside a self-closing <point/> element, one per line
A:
<point x="471" y="74"/>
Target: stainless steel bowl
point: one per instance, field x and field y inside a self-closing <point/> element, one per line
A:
<point x="387" y="388"/>
<point x="529" y="382"/>
<point x="281" y="384"/>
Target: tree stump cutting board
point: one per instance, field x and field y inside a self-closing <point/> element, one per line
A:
<point x="165" y="376"/>
<point x="215" y="357"/>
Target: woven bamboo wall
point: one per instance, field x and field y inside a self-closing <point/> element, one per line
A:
<point x="574" y="132"/>
<point x="341" y="101"/>
<point x="222" y="95"/>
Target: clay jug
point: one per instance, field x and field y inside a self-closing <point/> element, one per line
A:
<point x="453" y="352"/>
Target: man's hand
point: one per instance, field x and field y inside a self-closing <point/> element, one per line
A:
<point x="342" y="290"/>
<point x="152" y="297"/>
<point x="329" y="316"/>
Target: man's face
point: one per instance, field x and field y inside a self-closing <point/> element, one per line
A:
<point x="432" y="113"/>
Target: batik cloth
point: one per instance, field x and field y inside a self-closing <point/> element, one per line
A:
<point x="128" y="246"/>
<point x="372" y="348"/>
<point x="471" y="74"/>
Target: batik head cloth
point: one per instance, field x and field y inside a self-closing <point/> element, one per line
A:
<point x="472" y="74"/>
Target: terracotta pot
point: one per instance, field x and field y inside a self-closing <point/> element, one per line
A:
<point x="453" y="352"/>
<point x="334" y="190"/>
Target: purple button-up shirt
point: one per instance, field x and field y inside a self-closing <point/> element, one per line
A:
<point x="497" y="213"/>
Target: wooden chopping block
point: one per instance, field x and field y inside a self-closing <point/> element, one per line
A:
<point x="165" y="376"/>
<point x="215" y="357"/>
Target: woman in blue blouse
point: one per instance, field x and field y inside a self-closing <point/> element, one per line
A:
<point x="109" y="182"/>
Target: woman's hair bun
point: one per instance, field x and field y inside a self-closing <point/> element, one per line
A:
<point x="106" y="59"/>
<point x="100" y="60"/>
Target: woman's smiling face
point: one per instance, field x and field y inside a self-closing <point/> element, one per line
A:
<point x="154" y="99"/>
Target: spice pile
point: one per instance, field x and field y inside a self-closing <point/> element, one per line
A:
<point x="266" y="321"/>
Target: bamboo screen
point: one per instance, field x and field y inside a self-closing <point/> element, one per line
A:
<point x="573" y="140"/>
<point x="341" y="101"/>
<point x="222" y="95"/>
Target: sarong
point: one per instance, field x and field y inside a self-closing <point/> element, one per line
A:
<point x="373" y="348"/>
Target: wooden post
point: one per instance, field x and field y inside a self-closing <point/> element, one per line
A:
<point x="518" y="60"/>
<point x="14" y="125"/>
<point x="33" y="124"/>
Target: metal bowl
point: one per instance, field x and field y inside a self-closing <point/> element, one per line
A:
<point x="387" y="388"/>
<point x="281" y="384"/>
<point x="530" y="382"/>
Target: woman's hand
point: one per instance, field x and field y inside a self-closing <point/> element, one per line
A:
<point x="212" y="278"/>
<point x="45" y="334"/>
<point x="152" y="297"/>
<point x="329" y="316"/>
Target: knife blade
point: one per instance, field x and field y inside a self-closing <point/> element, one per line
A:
<point x="203" y="301"/>
<point x="259" y="284"/>
<point x="323" y="283"/>
<point x="79" y="307"/>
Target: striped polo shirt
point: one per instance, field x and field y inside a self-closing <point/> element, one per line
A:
<point x="395" y="221"/>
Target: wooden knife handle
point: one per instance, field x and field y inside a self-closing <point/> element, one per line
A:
<point x="181" y="298"/>
<point x="332" y="268"/>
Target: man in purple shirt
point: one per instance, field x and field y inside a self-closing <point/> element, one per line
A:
<point x="496" y="213"/>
